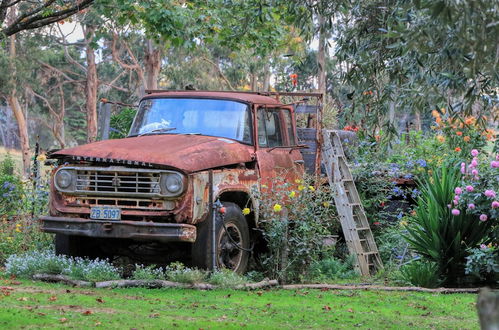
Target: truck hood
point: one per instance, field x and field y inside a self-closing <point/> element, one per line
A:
<point x="188" y="153"/>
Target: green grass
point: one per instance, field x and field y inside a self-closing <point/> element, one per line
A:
<point x="28" y="304"/>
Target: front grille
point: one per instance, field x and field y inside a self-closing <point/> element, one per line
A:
<point x="117" y="182"/>
<point x="124" y="203"/>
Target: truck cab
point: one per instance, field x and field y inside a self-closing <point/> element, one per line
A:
<point x="151" y="195"/>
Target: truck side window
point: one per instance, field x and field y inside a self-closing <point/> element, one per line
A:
<point x="269" y="128"/>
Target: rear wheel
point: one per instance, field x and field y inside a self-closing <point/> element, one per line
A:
<point x="232" y="241"/>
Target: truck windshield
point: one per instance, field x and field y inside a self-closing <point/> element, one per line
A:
<point x="229" y="119"/>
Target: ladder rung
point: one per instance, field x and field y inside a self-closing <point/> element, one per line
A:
<point x="362" y="228"/>
<point x="370" y="252"/>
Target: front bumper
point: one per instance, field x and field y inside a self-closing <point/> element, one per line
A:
<point x="144" y="231"/>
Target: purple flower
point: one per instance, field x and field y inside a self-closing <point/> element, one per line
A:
<point x="449" y="206"/>
<point x="474" y="152"/>
<point x="483" y="246"/>
<point x="469" y="188"/>
<point x="471" y="206"/>
<point x="456" y="212"/>
<point x="483" y="217"/>
<point x="458" y="191"/>
<point x="494" y="164"/>
<point x="463" y="170"/>
<point x="455" y="202"/>
<point x="474" y="172"/>
<point x="474" y="162"/>
<point x="490" y="193"/>
<point x="495" y="204"/>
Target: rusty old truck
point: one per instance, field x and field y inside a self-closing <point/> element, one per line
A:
<point x="153" y="193"/>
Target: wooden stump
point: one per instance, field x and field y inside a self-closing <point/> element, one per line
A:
<point x="488" y="309"/>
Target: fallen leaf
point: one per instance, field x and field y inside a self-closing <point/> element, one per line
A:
<point x="326" y="308"/>
<point x="99" y="300"/>
<point x="154" y="315"/>
<point x="350" y="310"/>
<point x="97" y="324"/>
<point x="22" y="299"/>
<point x="63" y="320"/>
<point x="68" y="291"/>
<point x="15" y="283"/>
<point x="53" y="298"/>
<point x="87" y="313"/>
<point x="324" y="289"/>
<point x="41" y="314"/>
<point x="259" y="293"/>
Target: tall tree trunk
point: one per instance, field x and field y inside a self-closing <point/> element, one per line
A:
<point x="266" y="77"/>
<point x="152" y="65"/>
<point x="321" y="57"/>
<point x="91" y="87"/>
<point x="417" y="120"/>
<point x="253" y="82"/>
<point x="16" y="106"/>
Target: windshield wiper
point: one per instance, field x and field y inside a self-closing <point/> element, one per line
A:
<point x="158" y="131"/>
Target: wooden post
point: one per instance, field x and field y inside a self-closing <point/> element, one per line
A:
<point x="488" y="309"/>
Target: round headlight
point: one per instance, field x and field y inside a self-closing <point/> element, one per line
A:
<point x="64" y="179"/>
<point x="172" y="183"/>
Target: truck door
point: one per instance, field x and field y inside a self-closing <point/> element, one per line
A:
<point x="278" y="161"/>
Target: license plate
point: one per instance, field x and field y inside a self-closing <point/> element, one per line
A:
<point x="105" y="213"/>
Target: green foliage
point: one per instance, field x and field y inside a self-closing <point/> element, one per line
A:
<point x="46" y="262"/>
<point x="297" y="219"/>
<point x="422" y="273"/>
<point x="177" y="272"/>
<point x="226" y="279"/>
<point x="328" y="269"/>
<point x="435" y="233"/>
<point x="483" y="263"/>
<point x="121" y="123"/>
<point x="150" y="272"/>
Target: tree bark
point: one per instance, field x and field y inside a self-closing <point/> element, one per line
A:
<point x="91" y="86"/>
<point x="266" y="77"/>
<point x="14" y="104"/>
<point x="321" y="57"/>
<point x="488" y="309"/>
<point x="152" y="65"/>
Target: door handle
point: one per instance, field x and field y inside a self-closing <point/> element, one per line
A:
<point x="300" y="162"/>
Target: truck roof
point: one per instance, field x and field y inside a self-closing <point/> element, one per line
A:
<point x="251" y="97"/>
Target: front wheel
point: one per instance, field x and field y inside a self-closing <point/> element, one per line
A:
<point x="232" y="241"/>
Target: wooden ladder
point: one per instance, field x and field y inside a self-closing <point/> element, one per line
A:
<point x="358" y="234"/>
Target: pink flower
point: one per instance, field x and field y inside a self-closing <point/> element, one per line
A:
<point x="497" y="157"/>
<point x="463" y="170"/>
<point x="494" y="164"/>
<point x="455" y="212"/>
<point x="469" y="188"/>
<point x="495" y="204"/>
<point x="474" y="162"/>
<point x="463" y="164"/>
<point x="483" y="217"/>
<point x="455" y="202"/>
<point x="471" y="206"/>
<point x="458" y="191"/>
<point x="474" y="172"/>
<point x="474" y="152"/>
<point x="490" y="193"/>
<point x="483" y="246"/>
<point x="449" y="206"/>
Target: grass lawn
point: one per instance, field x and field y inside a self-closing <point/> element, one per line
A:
<point x="30" y="304"/>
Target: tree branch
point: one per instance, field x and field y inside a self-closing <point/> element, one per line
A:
<point x="220" y="73"/>
<point x="37" y="18"/>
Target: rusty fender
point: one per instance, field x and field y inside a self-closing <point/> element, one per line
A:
<point x="225" y="180"/>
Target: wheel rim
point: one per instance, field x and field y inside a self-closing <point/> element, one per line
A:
<point x="228" y="254"/>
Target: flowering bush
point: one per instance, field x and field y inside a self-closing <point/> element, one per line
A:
<point x="477" y="192"/>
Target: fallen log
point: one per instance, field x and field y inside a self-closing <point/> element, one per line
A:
<point x="61" y="279"/>
<point x="377" y="288"/>
<point x="151" y="284"/>
<point x="258" y="285"/>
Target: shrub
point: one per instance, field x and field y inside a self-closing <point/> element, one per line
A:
<point x="38" y="262"/>
<point x="226" y="279"/>
<point x="483" y="263"/>
<point x="120" y="123"/>
<point x="422" y="273"/>
<point x="438" y="235"/>
<point x="333" y="269"/>
<point x="146" y="273"/>
<point x="177" y="272"/>
<point x="297" y="219"/>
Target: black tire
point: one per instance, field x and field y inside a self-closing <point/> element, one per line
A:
<point x="75" y="246"/>
<point x="229" y="256"/>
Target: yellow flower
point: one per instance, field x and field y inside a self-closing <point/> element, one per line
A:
<point x="443" y="110"/>
<point x="246" y="211"/>
<point x="435" y="114"/>
<point x="440" y="138"/>
<point x="41" y="158"/>
<point x="292" y="194"/>
<point x="403" y="223"/>
<point x="277" y="208"/>
<point x="300" y="187"/>
<point x="297" y="181"/>
<point x="18" y="230"/>
<point x="311" y="188"/>
<point x="9" y="239"/>
<point x="264" y="186"/>
<point x="325" y="204"/>
<point x="466" y="138"/>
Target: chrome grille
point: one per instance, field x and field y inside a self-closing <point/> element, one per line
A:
<point x="118" y="181"/>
